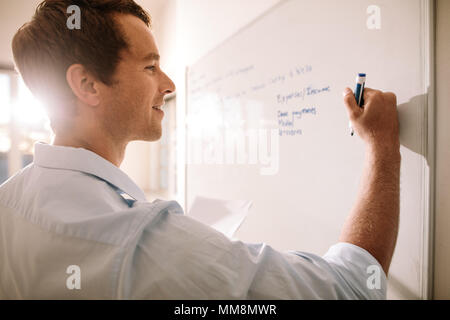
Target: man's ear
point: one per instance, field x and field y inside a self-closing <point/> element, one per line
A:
<point x="83" y="84"/>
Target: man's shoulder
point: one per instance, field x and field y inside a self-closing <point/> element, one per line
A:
<point x="16" y="184"/>
<point x="60" y="199"/>
<point x="71" y="187"/>
<point x="78" y="204"/>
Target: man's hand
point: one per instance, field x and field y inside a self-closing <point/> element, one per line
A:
<point x="373" y="221"/>
<point x="377" y="122"/>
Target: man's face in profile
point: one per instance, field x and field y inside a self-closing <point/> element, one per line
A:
<point x="128" y="106"/>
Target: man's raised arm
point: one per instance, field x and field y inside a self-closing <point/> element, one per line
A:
<point x="374" y="219"/>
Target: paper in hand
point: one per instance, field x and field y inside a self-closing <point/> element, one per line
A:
<point x="223" y="215"/>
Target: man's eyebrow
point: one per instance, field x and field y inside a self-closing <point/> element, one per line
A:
<point x="151" y="56"/>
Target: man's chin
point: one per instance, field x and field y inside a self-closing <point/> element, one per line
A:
<point x="150" y="135"/>
<point x="153" y="136"/>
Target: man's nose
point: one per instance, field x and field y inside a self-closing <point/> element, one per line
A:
<point x="168" y="86"/>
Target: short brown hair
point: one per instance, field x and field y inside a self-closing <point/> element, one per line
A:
<point x="45" y="47"/>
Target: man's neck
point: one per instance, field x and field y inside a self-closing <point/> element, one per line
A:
<point x="110" y="150"/>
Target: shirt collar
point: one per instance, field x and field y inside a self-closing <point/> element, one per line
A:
<point x="79" y="159"/>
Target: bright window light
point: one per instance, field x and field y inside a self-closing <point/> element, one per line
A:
<point x="5" y="143"/>
<point x="28" y="110"/>
<point x="5" y="108"/>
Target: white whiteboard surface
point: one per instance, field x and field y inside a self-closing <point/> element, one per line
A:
<point x="273" y="94"/>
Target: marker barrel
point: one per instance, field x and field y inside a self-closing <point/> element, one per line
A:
<point x="359" y="94"/>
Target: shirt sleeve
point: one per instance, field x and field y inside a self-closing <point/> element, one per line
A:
<point x="176" y="257"/>
<point x="359" y="274"/>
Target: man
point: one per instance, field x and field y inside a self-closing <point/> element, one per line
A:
<point x="73" y="225"/>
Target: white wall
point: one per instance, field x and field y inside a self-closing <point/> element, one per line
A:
<point x="442" y="219"/>
<point x="13" y="14"/>
<point x="204" y="24"/>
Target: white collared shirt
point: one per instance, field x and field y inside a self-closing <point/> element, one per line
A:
<point x="74" y="226"/>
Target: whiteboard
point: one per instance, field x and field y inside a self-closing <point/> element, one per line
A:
<point x="266" y="123"/>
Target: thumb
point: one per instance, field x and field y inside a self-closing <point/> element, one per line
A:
<point x="350" y="103"/>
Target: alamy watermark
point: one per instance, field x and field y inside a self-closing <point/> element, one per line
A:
<point x="74" y="20"/>
<point x="236" y="146"/>
<point x="374" y="19"/>
<point x="374" y="280"/>
<point x="74" y="280"/>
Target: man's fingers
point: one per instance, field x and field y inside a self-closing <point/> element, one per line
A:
<point x="350" y="103"/>
<point x="369" y="93"/>
<point x="391" y="97"/>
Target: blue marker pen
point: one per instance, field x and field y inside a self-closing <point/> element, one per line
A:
<point x="359" y="93"/>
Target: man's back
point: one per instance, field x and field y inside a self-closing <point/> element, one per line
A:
<point x="73" y="209"/>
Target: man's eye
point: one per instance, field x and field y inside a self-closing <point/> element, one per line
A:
<point x="152" y="68"/>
